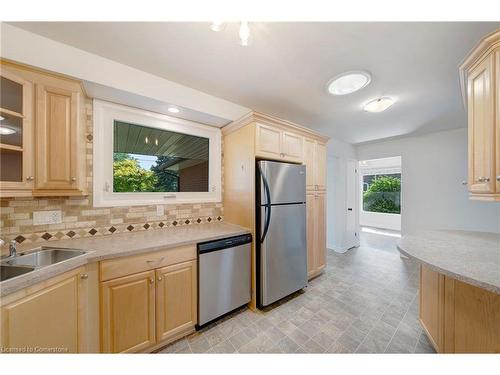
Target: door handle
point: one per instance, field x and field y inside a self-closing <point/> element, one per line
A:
<point x="349" y="209"/>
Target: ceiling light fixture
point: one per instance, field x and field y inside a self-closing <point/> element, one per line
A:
<point x="4" y="130"/>
<point x="173" y="109"/>
<point x="348" y="82"/>
<point x="217" y="26"/>
<point x="379" y="105"/>
<point x="244" y="33"/>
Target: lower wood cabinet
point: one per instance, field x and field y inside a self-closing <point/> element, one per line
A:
<point x="128" y="313"/>
<point x="458" y="317"/>
<point x="316" y="233"/>
<point x="176" y="297"/>
<point x="49" y="317"/>
<point x="148" y="309"/>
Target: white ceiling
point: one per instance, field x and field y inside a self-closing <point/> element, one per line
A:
<point x="285" y="69"/>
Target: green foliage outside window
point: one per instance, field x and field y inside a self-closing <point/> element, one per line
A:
<point x="383" y="195"/>
<point x="129" y="176"/>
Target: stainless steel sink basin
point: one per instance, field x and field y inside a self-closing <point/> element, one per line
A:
<point x="44" y="257"/>
<point x="8" y="272"/>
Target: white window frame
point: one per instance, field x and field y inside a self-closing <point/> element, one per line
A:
<point x="105" y="114"/>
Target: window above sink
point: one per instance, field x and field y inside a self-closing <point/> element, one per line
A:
<point x="141" y="157"/>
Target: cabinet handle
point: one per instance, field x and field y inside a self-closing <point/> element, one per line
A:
<point x="84" y="276"/>
<point x="30" y="178"/>
<point x="159" y="278"/>
<point x="498" y="178"/>
<point x="73" y="179"/>
<point x="483" y="179"/>
<point x="155" y="261"/>
<point x="151" y="280"/>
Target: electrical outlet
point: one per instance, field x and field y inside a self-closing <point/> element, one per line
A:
<point x="47" y="217"/>
<point x="160" y="210"/>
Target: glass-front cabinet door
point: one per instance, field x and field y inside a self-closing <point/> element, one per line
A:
<point x="16" y="133"/>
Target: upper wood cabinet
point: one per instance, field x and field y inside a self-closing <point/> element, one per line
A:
<point x="480" y="78"/>
<point x="57" y="131"/>
<point x="16" y="140"/>
<point x="275" y="143"/>
<point x="45" y="156"/>
<point x="51" y="315"/>
<point x="315" y="161"/>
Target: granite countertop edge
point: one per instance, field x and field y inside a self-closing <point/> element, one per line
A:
<point x="221" y="230"/>
<point x="440" y="266"/>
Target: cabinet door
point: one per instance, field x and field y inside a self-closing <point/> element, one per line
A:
<point x="309" y="156"/>
<point x="481" y="127"/>
<point x="128" y="313"/>
<point x="432" y="306"/>
<point x="57" y="131"/>
<point x="268" y="142"/>
<point x="320" y="162"/>
<point x="16" y="140"/>
<point x="52" y="317"/>
<point x="291" y="147"/>
<point x="320" y="231"/>
<point x="497" y="111"/>
<point x="176" y="307"/>
<point x="311" y="237"/>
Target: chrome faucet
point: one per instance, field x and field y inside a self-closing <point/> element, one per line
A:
<point x="12" y="248"/>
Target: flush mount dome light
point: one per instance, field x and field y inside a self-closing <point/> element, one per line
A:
<point x="348" y="82"/>
<point x="379" y="105"/>
<point x="4" y="130"/>
<point x="173" y="109"/>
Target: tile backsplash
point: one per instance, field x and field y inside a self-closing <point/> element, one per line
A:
<point x="81" y="219"/>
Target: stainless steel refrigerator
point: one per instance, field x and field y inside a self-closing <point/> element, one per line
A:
<point x="281" y="221"/>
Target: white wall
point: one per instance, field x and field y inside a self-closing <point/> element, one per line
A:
<point x="433" y="168"/>
<point x="339" y="153"/>
<point x="379" y="220"/>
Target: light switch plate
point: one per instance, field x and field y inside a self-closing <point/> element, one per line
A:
<point x="160" y="210"/>
<point x="47" y="217"/>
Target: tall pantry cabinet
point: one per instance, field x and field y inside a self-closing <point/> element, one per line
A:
<point x="259" y="136"/>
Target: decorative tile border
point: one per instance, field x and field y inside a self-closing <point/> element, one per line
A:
<point x="109" y="230"/>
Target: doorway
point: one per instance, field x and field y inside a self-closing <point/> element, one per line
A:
<point x="380" y="197"/>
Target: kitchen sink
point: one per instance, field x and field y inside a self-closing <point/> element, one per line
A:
<point x="8" y="272"/>
<point x="44" y="257"/>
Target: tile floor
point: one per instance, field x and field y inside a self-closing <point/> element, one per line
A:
<point x="366" y="301"/>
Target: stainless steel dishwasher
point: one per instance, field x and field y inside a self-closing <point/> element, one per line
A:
<point x="223" y="277"/>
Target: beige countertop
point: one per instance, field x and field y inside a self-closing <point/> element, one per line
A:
<point x="471" y="257"/>
<point x="119" y="245"/>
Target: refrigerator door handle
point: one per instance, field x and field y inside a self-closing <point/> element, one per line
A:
<point x="267" y="206"/>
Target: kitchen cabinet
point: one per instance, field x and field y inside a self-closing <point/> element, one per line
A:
<point x="176" y="298"/>
<point x="151" y="305"/>
<point x="16" y="140"/>
<point x="458" y="317"/>
<point x="48" y="317"/>
<point x="57" y="131"/>
<point x="432" y="306"/>
<point x="316" y="233"/>
<point x="480" y="78"/>
<point x="128" y="313"/>
<point x="315" y="162"/>
<point x="45" y="156"/>
<point x="277" y="144"/>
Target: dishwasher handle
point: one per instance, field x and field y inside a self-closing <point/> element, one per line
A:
<point x="207" y="247"/>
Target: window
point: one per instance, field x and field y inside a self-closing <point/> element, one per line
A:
<point x="142" y="157"/>
<point x="382" y="193"/>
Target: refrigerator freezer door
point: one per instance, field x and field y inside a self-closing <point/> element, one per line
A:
<point x="286" y="182"/>
<point x="283" y="253"/>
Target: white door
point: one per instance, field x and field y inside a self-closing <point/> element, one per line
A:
<point x="352" y="233"/>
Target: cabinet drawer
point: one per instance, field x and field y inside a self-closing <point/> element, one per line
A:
<point x="113" y="268"/>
